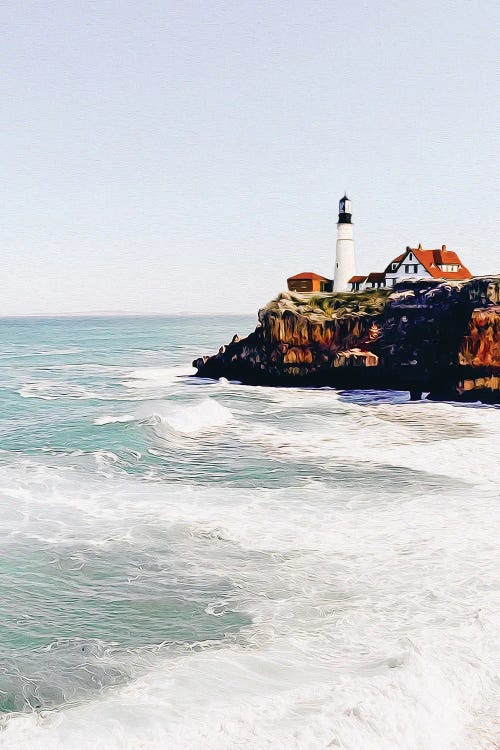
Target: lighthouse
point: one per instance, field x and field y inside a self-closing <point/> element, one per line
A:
<point x="345" y="263"/>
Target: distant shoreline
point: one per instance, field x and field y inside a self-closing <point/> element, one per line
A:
<point x="103" y="315"/>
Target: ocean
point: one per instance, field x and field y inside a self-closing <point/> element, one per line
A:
<point x="204" y="565"/>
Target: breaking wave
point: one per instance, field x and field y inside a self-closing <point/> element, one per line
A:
<point x="167" y="417"/>
<point x="109" y="419"/>
<point x="191" y="419"/>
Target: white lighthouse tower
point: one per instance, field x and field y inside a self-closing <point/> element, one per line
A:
<point x="345" y="262"/>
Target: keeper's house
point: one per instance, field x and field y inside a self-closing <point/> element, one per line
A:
<point x="415" y="263"/>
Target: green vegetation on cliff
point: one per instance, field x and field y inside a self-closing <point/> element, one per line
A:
<point x="330" y="305"/>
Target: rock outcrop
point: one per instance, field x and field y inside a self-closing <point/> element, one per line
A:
<point x="422" y="336"/>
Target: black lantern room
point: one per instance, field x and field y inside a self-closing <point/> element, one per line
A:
<point x="345" y="210"/>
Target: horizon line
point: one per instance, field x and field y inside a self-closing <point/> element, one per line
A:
<point x="124" y="314"/>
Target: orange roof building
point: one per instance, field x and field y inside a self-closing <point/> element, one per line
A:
<point x="309" y="282"/>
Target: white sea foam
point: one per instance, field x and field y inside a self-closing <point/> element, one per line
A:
<point x="157" y="377"/>
<point x="137" y="385"/>
<point x="187" y="419"/>
<point x="422" y="436"/>
<point x="167" y="417"/>
<point x="54" y="390"/>
<point x="374" y="623"/>
<point x="50" y="390"/>
<point x="110" y="419"/>
<point x="45" y="353"/>
<point x="194" y="418"/>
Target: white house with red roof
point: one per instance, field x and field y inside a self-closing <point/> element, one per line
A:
<point x="415" y="263"/>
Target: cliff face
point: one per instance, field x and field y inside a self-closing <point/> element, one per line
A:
<point x="479" y="355"/>
<point x="326" y="331"/>
<point x="442" y="337"/>
<point x="480" y="347"/>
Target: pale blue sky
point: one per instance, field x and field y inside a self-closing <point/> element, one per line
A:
<point x="168" y="156"/>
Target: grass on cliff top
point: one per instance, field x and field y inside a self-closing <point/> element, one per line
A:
<point x="333" y="304"/>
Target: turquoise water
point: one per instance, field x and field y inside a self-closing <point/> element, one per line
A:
<point x="197" y="564"/>
<point x="91" y="604"/>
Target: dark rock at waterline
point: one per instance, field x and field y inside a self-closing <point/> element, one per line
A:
<point x="440" y="337"/>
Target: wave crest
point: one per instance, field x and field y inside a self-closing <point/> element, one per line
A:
<point x="192" y="419"/>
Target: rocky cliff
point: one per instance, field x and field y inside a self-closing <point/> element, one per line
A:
<point x="423" y="336"/>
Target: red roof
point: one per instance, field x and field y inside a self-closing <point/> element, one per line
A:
<point x="308" y="275"/>
<point x="396" y="260"/>
<point x="432" y="259"/>
<point x="375" y="276"/>
<point x="356" y="279"/>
